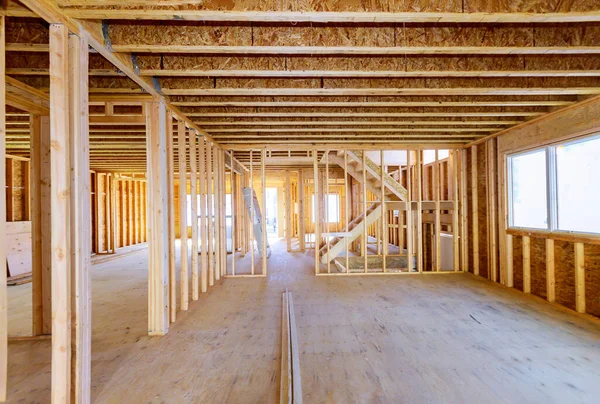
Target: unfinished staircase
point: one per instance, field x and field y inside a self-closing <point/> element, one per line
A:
<point x="392" y="190"/>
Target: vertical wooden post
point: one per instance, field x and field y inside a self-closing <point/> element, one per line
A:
<point x="365" y="243"/>
<point x="209" y="211"/>
<point x="464" y="212"/>
<point x="315" y="205"/>
<point x="107" y="211"/>
<point x="419" y="224"/>
<point x="550" y="277"/>
<point x="252" y="213"/>
<point x="183" y="232"/>
<point x="71" y="218"/>
<point x="409" y="215"/>
<point x="288" y="211"/>
<point x="263" y="157"/>
<point x="217" y="172"/>
<point x="301" y="228"/>
<point x="384" y="214"/>
<point x="157" y="223"/>
<point x="491" y="209"/>
<point x="475" y="210"/>
<point x="194" y="209"/>
<point x="509" y="261"/>
<point x="526" y="264"/>
<point x="437" y="178"/>
<point x="234" y="213"/>
<point x="203" y="235"/>
<point x="347" y="209"/>
<point x="80" y="221"/>
<point x="113" y="216"/>
<point x="171" y="218"/>
<point x="130" y="217"/>
<point x="3" y="287"/>
<point x="454" y="166"/>
<point x="224" y="213"/>
<point x="60" y="205"/>
<point x="579" y="278"/>
<point x="10" y="198"/>
<point x="327" y="224"/>
<point x="40" y="225"/>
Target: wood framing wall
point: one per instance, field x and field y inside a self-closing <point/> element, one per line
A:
<point x="560" y="267"/>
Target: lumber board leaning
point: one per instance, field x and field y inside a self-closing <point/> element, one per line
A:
<point x="285" y="388"/>
<point x="295" y="356"/>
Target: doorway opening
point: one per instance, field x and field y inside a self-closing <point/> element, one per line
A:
<point x="271" y="214"/>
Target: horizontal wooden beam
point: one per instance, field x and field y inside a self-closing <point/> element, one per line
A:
<point x="351" y="123"/>
<point x="360" y="114"/>
<point x="350" y="130"/>
<point x="311" y="92"/>
<point x="324" y="73"/>
<point x="325" y="17"/>
<point x="367" y="104"/>
<point x="306" y="145"/>
<point x="358" y="50"/>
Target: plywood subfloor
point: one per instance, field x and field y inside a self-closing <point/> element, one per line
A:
<point x="421" y="338"/>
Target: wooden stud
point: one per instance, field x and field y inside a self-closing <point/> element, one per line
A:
<point x="252" y="235"/>
<point x="437" y="179"/>
<point x="203" y="217"/>
<point x="454" y="163"/>
<point x="234" y="213"/>
<point x="183" y="233"/>
<point x="315" y="202"/>
<point x="491" y="209"/>
<point x="365" y="241"/>
<point x="346" y="208"/>
<point x="263" y="158"/>
<point x="80" y="222"/>
<point x="301" y="219"/>
<point x="10" y="198"/>
<point x="3" y="241"/>
<point x="217" y="212"/>
<point x="526" y="264"/>
<point x="409" y="215"/>
<point x="288" y="211"/>
<point x="158" y="260"/>
<point x="194" y="212"/>
<point x="171" y="218"/>
<point x="419" y="224"/>
<point x="550" y="274"/>
<point x="327" y="223"/>
<point x="41" y="225"/>
<point x="209" y="213"/>
<point x="579" y="278"/>
<point x="509" y="261"/>
<point x="384" y="214"/>
<point x="107" y="212"/>
<point x="474" y="210"/>
<point x="60" y="206"/>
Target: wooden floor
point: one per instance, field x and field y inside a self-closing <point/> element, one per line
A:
<point x="394" y="339"/>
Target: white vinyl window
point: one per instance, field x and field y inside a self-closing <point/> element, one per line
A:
<point x="553" y="188"/>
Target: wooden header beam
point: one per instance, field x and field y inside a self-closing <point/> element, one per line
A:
<point x="321" y="17"/>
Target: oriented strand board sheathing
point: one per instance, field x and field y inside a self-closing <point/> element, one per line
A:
<point x="534" y="6"/>
<point x="592" y="279"/>
<point x="465" y="35"/>
<point x="538" y="267"/>
<point x="518" y="262"/>
<point x="188" y="33"/>
<point x="482" y="210"/>
<point x="564" y="267"/>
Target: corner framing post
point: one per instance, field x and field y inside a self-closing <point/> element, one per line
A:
<point x="183" y="250"/>
<point x="409" y="215"/>
<point x="474" y="210"/>
<point x="419" y="224"/>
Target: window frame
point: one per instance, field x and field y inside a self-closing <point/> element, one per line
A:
<point x="551" y="188"/>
